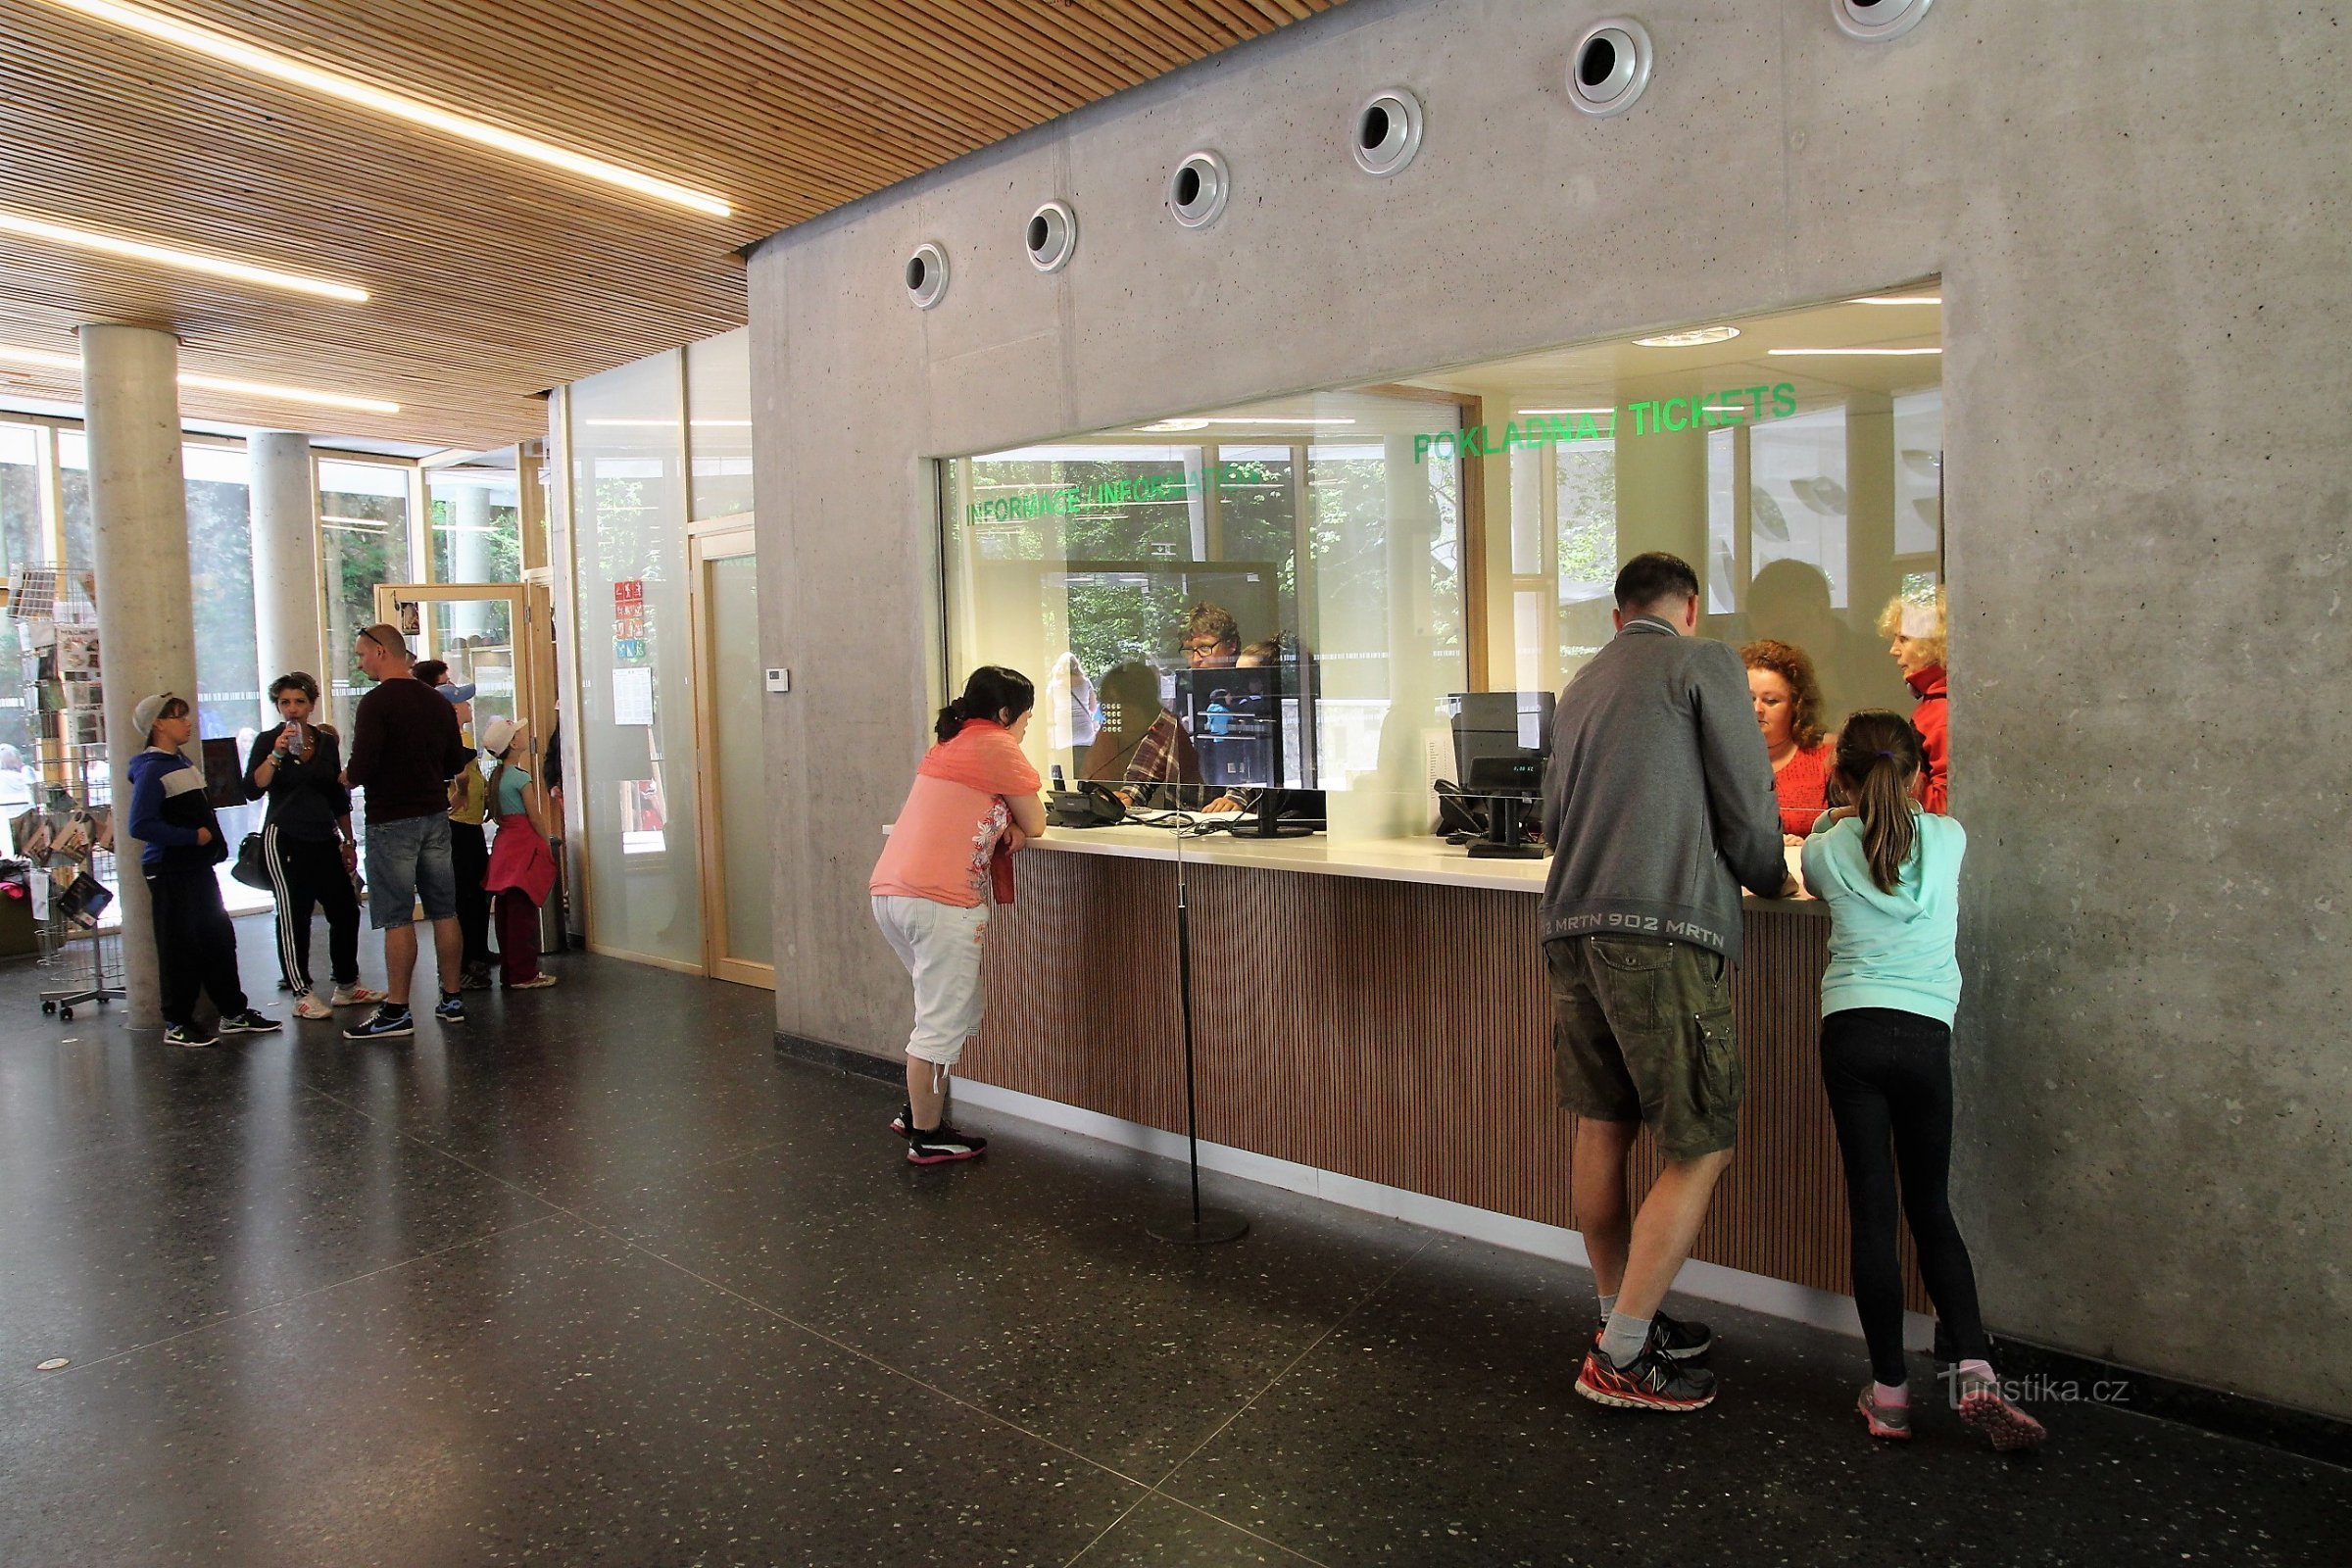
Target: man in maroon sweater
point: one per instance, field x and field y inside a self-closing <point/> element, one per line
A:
<point x="405" y="748"/>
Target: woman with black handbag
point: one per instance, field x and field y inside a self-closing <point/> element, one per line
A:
<point x="306" y="851"/>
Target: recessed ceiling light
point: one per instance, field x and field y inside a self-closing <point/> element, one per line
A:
<point x="49" y="360"/>
<point x="173" y="256"/>
<point x="1898" y="299"/>
<point x="1792" y="354"/>
<point x="300" y="73"/>
<point x="1692" y="339"/>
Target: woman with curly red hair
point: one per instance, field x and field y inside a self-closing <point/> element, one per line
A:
<point x="1786" y="694"/>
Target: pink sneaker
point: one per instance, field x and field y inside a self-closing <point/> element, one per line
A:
<point x="1985" y="1407"/>
<point x="1885" y="1420"/>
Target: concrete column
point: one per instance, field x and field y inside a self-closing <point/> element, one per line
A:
<point x="468" y="560"/>
<point x="146" y="623"/>
<point x="285" y="556"/>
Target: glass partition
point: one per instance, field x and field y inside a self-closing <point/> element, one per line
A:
<point x="718" y="403"/>
<point x="20" y="541"/>
<point x="636" y="727"/>
<point x="1259" y="598"/>
<point x="1277" y="594"/>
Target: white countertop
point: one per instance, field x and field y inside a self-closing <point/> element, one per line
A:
<point x="1417" y="860"/>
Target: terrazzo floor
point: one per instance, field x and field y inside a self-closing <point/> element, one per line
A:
<point x="601" y="1278"/>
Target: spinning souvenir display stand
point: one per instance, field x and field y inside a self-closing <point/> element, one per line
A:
<point x="66" y="834"/>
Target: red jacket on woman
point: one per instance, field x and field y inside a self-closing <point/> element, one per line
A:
<point x="1801" y="789"/>
<point x="1929" y="719"/>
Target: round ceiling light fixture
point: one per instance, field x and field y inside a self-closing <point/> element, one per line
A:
<point x="1388" y="131"/>
<point x="1694" y="338"/>
<point x="1198" y="189"/>
<point x="1052" y="237"/>
<point x="1608" y="70"/>
<point x="1173" y="426"/>
<point x="927" y="274"/>
<point x="1877" y="21"/>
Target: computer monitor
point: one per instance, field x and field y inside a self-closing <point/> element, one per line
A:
<point x="1501" y="740"/>
<point x="1251" y="728"/>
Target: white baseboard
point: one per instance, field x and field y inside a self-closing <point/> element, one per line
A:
<point x="1800" y="1303"/>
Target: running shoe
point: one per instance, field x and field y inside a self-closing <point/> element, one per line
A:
<point x="308" y="1005"/>
<point x="384" y="1023"/>
<point x="943" y="1147"/>
<point x="538" y="982"/>
<point x="1885" y="1420"/>
<point x="1985" y="1408"/>
<point x="249" y="1022"/>
<point x="450" y="1009"/>
<point x="1650" y="1383"/>
<point x="1675" y="1339"/>
<point x="189" y="1035"/>
<point x="353" y="995"/>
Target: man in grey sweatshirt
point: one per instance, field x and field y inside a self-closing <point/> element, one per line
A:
<point x="1658" y="805"/>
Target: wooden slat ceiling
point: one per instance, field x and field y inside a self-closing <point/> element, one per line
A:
<point x="494" y="280"/>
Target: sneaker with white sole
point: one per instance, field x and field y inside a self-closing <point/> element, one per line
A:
<point x="354" y="995"/>
<point x="1650" y="1383"/>
<point x="188" y="1035"/>
<point x="943" y="1145"/>
<point x="384" y="1023"/>
<point x="308" y="1005"/>
<point x="450" y="1008"/>
<point x="249" y="1022"/>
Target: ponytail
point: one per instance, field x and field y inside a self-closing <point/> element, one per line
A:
<point x="1880" y="757"/>
<point x="992" y="689"/>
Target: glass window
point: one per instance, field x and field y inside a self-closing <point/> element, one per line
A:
<point x="718" y="429"/>
<point x="636" y="730"/>
<point x="362" y="541"/>
<point x="476" y="516"/>
<point x="74" y="499"/>
<point x="1262" y="597"/>
<point x="1804" y="488"/>
<point x="20" y="540"/>
<point x="228" y="681"/>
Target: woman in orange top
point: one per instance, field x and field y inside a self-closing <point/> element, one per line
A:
<point x="1788" y="697"/>
<point x="974" y="803"/>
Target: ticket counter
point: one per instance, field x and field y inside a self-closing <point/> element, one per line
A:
<point x="1379" y="1009"/>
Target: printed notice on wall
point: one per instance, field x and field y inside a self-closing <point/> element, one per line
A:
<point x="633" y="696"/>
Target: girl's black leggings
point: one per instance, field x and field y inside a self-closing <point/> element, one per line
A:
<point x="1888" y="1075"/>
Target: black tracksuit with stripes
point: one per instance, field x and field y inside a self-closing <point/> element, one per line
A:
<point x="301" y="846"/>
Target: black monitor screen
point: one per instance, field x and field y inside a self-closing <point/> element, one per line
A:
<point x="1501" y="740"/>
<point x="1235" y="718"/>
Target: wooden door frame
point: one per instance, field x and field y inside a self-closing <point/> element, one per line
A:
<point x="728" y="538"/>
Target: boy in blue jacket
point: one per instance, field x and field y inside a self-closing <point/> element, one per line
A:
<point x="179" y="844"/>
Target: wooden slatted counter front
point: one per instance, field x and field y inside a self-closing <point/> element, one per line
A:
<point x="1380" y="1010"/>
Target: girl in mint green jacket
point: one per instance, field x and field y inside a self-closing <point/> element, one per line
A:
<point x="1891" y="876"/>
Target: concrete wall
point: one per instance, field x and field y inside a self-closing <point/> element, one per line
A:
<point x="2138" y="211"/>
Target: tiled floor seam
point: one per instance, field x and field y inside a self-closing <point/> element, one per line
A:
<point x="284" y="1301"/>
<point x="762" y="1307"/>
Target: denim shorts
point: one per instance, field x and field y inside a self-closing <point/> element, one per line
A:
<point x="1641" y="1031"/>
<point x="407" y="861"/>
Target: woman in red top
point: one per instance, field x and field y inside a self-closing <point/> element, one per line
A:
<point x="1915" y="629"/>
<point x="1788" y="697"/>
<point x="948" y="860"/>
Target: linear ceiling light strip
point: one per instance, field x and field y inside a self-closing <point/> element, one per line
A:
<point x="313" y="79"/>
<point x="48" y="359"/>
<point x="173" y="256"/>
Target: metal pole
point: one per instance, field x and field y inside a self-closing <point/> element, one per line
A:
<point x="1201" y="1226"/>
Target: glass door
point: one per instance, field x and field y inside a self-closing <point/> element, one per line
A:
<point x="491" y="638"/>
<point x="730" y="738"/>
